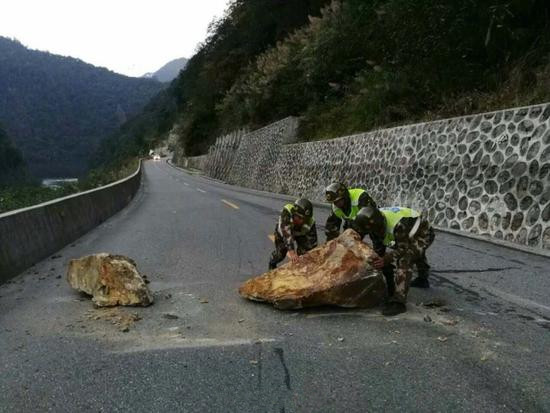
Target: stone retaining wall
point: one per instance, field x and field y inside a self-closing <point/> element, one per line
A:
<point x="221" y="155"/>
<point x="31" y="234"/>
<point x="195" y="162"/>
<point x="487" y="174"/>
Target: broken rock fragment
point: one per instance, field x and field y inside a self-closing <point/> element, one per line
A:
<point x="337" y="273"/>
<point x="110" y="279"/>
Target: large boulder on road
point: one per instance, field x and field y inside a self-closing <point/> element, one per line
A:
<point x="337" y="273"/>
<point x="110" y="280"/>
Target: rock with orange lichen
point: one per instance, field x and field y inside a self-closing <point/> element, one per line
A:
<point x="337" y="273"/>
<point x="110" y="280"/>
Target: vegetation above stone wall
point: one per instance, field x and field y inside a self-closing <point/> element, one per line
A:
<point x="366" y="64"/>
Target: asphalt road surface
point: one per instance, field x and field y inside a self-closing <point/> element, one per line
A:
<point x="202" y="348"/>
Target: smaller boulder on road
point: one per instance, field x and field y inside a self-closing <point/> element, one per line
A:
<point x="110" y="279"/>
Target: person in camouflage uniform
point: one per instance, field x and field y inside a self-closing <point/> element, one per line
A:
<point x="295" y="232"/>
<point x="346" y="203"/>
<point x="409" y="236"/>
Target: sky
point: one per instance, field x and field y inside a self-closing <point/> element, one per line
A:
<point x="131" y="37"/>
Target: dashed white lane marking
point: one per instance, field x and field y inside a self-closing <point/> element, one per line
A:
<point x="186" y="184"/>
<point x="200" y="190"/>
<point x="230" y="204"/>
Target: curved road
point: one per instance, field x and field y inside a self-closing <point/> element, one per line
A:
<point x="201" y="348"/>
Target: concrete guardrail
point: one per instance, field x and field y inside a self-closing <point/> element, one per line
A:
<point x="31" y="234"/>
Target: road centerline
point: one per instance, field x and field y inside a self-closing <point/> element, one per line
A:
<point x="230" y="204"/>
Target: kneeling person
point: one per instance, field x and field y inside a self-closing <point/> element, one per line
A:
<point x="295" y="233"/>
<point x="409" y="236"/>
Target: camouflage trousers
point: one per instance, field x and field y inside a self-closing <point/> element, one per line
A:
<point x="303" y="245"/>
<point x="406" y="256"/>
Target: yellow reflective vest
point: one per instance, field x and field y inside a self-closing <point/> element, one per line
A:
<point x="354" y="195"/>
<point x="393" y="215"/>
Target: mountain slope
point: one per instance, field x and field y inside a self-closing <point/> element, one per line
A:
<point x="57" y="109"/>
<point x="249" y="28"/>
<point x="12" y="167"/>
<point x="348" y="66"/>
<point x="169" y="71"/>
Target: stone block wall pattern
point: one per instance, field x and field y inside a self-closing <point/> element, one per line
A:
<point x="221" y="155"/>
<point x="195" y="162"/>
<point x="488" y="174"/>
<point x="31" y="234"/>
<point x="255" y="160"/>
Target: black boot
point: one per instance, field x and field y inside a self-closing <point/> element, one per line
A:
<point x="420" y="282"/>
<point x="272" y="265"/>
<point x="390" y="279"/>
<point x="393" y="308"/>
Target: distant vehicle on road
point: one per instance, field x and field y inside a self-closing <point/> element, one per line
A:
<point x="156" y="157"/>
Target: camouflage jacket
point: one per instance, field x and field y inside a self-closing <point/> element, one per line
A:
<point x="288" y="231"/>
<point x="405" y="252"/>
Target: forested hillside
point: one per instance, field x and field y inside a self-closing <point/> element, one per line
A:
<point x="12" y="167"/>
<point x="57" y="109"/>
<point x="349" y="66"/>
<point x="249" y="28"/>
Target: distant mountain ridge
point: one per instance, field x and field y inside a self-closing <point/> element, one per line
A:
<point x="57" y="109"/>
<point x="169" y="71"/>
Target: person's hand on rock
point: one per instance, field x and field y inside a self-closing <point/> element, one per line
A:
<point x="378" y="263"/>
<point x="292" y="256"/>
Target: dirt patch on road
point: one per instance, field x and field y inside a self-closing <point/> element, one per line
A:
<point x="120" y="318"/>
